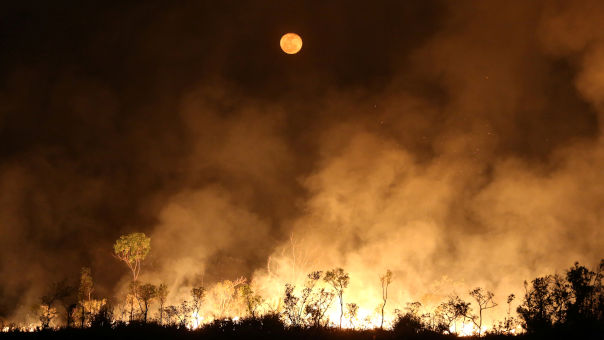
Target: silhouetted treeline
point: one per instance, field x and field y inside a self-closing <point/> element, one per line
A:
<point x="553" y="306"/>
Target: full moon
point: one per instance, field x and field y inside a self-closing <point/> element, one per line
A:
<point x="291" y="43"/>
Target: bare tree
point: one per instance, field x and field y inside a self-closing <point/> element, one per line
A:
<point x="339" y="281"/>
<point x="198" y="294"/>
<point x="385" y="280"/>
<point x="351" y="312"/>
<point x="484" y="299"/>
<point x="223" y="294"/>
<point x="450" y="311"/>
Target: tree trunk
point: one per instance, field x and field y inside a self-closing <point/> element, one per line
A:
<point x="341" y="309"/>
<point x="382" y="322"/>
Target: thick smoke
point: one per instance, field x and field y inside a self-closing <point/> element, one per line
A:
<point x="458" y="145"/>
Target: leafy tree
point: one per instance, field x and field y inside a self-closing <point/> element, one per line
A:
<point x="385" y="280"/>
<point x="339" y="281"/>
<point x="162" y="295"/>
<point x="146" y="293"/>
<point x="586" y="289"/>
<point x="132" y="250"/>
<point x="536" y="310"/>
<point x="484" y="299"/>
<point x="576" y="300"/>
<point x="407" y="325"/>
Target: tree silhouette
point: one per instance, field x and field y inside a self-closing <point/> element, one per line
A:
<point x="294" y="306"/>
<point x="484" y="299"/>
<point x="586" y="291"/>
<point x="451" y="310"/>
<point x="537" y="307"/>
<point x="198" y="294"/>
<point x="385" y="280"/>
<point x="162" y="295"/>
<point x="339" y="281"/>
<point x="84" y="292"/>
<point x="555" y="301"/>
<point x="146" y="293"/>
<point x="318" y="305"/>
<point x="56" y="291"/>
<point x="351" y="312"/>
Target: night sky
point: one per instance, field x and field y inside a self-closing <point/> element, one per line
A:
<point x="459" y="138"/>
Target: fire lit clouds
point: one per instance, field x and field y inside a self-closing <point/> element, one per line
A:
<point x="467" y="151"/>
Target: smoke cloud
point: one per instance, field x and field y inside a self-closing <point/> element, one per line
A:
<point x="456" y="144"/>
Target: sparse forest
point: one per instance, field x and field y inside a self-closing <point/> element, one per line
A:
<point x="552" y="306"/>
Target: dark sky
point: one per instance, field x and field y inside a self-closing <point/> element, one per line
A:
<point x="114" y="113"/>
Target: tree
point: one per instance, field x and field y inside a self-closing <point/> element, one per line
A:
<point x="536" y="310"/>
<point x="451" y="310"/>
<point x="251" y="299"/>
<point x="132" y="250"/>
<point x="171" y="313"/>
<point x="183" y="312"/>
<point x="339" y="281"/>
<point x="409" y="324"/>
<point x="585" y="287"/>
<point x="484" y="299"/>
<point x="56" y="291"/>
<point x="162" y="295"/>
<point x="45" y="314"/>
<point x="352" y="310"/>
<point x="318" y="305"/>
<point x="222" y="295"/>
<point x="290" y="303"/>
<point x="146" y="293"/>
<point x="85" y="292"/>
<point x="385" y="280"/>
<point x="132" y="297"/>
<point x="198" y="294"/>
<point x="295" y="307"/>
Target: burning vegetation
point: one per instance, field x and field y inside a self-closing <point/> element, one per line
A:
<point x="403" y="173"/>
<point x="323" y="300"/>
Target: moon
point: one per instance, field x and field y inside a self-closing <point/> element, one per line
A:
<point x="291" y="43"/>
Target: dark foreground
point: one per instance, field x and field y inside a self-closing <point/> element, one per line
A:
<point x="273" y="329"/>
